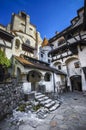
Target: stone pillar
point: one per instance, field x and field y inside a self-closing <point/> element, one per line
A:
<point x="24" y="78"/>
<point x="83" y="81"/>
<point x="26" y="85"/>
<point x="69" y="83"/>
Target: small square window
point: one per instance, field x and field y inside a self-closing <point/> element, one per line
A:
<point x="42" y="55"/>
<point x="76" y="64"/>
<point x="48" y="60"/>
<point x="59" y="67"/>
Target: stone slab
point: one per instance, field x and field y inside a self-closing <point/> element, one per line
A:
<point x="46" y="101"/>
<point x="54" y="107"/>
<point x="50" y="104"/>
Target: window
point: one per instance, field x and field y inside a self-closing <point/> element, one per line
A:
<point x="47" y="77"/>
<point x="28" y="42"/>
<point x="48" y="60"/>
<point x="23" y="15"/>
<point x="17" y="44"/>
<point x="59" y="67"/>
<point x="76" y="64"/>
<point x="31" y="29"/>
<point x="42" y="55"/>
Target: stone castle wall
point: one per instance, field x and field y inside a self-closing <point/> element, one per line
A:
<point x="10" y="95"/>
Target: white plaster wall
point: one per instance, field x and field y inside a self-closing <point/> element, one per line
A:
<point x="26" y="87"/>
<point x="49" y="86"/>
<point x="83" y="81"/>
<point x="82" y="56"/>
<point x="72" y="69"/>
<point x="8" y="53"/>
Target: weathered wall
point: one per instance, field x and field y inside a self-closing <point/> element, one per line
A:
<point x="10" y="95"/>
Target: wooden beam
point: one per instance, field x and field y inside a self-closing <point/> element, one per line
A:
<point x="62" y="57"/>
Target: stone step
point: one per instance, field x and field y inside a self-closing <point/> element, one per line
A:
<point x="40" y="96"/>
<point x="45" y="101"/>
<point x="41" y="115"/>
<point x="48" y="105"/>
<point x="54" y="107"/>
<point x="37" y="94"/>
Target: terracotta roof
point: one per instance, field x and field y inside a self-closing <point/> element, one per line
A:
<point x="45" y="42"/>
<point x="23" y="61"/>
<point x="40" y="66"/>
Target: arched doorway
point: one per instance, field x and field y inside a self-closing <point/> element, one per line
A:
<point x="76" y="82"/>
<point x="34" y="77"/>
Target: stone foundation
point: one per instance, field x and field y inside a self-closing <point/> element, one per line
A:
<point x="10" y="95"/>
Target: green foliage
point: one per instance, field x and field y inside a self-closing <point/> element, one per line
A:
<point x="4" y="60"/>
<point x="21" y="108"/>
<point x="37" y="107"/>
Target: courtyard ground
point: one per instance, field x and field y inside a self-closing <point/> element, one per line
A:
<point x="71" y="115"/>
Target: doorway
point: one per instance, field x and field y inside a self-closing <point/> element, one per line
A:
<point x="76" y="82"/>
<point x="34" y="77"/>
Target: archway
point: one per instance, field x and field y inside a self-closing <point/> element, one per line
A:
<point x="76" y="82"/>
<point x="34" y="77"/>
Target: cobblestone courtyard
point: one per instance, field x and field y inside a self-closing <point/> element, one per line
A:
<point x="71" y="115"/>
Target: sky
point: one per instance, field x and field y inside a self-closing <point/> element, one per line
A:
<point x="49" y="16"/>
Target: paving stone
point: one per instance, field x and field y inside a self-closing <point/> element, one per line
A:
<point x="42" y="127"/>
<point x="71" y="115"/>
<point x="26" y="127"/>
<point x="59" y="117"/>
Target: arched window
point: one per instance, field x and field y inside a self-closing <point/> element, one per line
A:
<point x="58" y="65"/>
<point x="27" y="42"/>
<point x="17" y="44"/>
<point x="47" y="77"/>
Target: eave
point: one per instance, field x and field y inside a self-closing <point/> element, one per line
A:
<point x="6" y="36"/>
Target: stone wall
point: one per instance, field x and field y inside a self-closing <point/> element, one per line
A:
<point x="10" y="95"/>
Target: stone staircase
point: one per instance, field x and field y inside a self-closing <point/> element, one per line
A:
<point x="48" y="103"/>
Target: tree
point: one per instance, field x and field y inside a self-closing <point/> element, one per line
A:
<point x="4" y="61"/>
